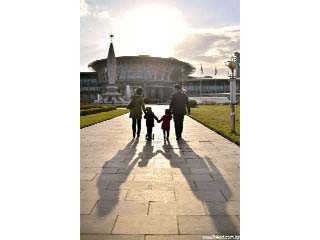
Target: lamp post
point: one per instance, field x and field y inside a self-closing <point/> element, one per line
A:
<point x="232" y="66"/>
<point x="182" y="76"/>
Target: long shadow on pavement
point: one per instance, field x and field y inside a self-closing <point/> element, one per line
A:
<point x="206" y="183"/>
<point x="213" y="193"/>
<point x="123" y="159"/>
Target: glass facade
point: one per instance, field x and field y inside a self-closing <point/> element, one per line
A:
<point x="89" y="87"/>
<point x="198" y="86"/>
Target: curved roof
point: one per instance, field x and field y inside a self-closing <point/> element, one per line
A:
<point x="141" y="58"/>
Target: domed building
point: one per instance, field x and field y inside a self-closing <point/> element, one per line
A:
<point x="157" y="76"/>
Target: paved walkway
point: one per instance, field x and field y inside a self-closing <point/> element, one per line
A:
<point x="134" y="189"/>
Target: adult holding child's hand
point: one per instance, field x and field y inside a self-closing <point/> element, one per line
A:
<point x="179" y="106"/>
<point x="136" y="107"/>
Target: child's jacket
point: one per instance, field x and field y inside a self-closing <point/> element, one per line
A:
<point x="166" y="122"/>
<point x="149" y="116"/>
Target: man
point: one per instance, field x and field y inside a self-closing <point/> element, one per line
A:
<point x="178" y="106"/>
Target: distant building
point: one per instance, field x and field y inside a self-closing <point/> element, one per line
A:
<point x="157" y="76"/>
<point x="209" y="86"/>
<point x="89" y="87"/>
<point x="213" y="86"/>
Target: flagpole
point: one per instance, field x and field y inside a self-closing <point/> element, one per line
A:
<point x="200" y="87"/>
<point x="201" y="81"/>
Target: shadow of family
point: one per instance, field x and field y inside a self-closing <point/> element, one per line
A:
<point x="198" y="180"/>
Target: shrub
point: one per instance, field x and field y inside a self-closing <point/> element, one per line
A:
<point x="93" y="105"/>
<point x="87" y="106"/>
<point x="193" y="103"/>
<point x="146" y="100"/>
<point x="96" y="110"/>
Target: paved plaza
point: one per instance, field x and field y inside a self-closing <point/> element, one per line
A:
<point x="157" y="190"/>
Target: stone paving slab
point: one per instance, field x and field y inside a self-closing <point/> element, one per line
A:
<point x="153" y="177"/>
<point x="138" y="189"/>
<point x="116" y="177"/>
<point x="200" y="195"/>
<point x="174" y="186"/>
<point x="232" y="193"/>
<point x="183" y="180"/>
<point x="174" y="237"/>
<point x="110" y="237"/>
<point x="208" y="224"/>
<point x="208" y="186"/>
<point x="146" y="224"/>
<point x="141" y="185"/>
<point x="87" y="186"/>
<point x="222" y="208"/>
<point x="150" y="195"/>
<point x="173" y="171"/>
<point x="94" y="224"/>
<point x="145" y="170"/>
<point x="104" y="207"/>
<point x="88" y="176"/>
<point x="102" y="194"/>
<point x="87" y="205"/>
<point x="226" y="177"/>
<point x="177" y="208"/>
<point x="109" y="170"/>
<point x="113" y="195"/>
<point x="200" y="171"/>
<point x="192" y="178"/>
<point x="99" y="170"/>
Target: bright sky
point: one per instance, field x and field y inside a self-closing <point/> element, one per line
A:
<point x="203" y="32"/>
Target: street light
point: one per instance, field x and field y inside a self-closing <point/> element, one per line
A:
<point x="182" y="72"/>
<point x="232" y="65"/>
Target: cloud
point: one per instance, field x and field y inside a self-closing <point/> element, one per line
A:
<point x="84" y="8"/>
<point x="209" y="46"/>
<point x="103" y="14"/>
<point x="86" y="11"/>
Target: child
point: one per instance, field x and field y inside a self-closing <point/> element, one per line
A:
<point x="149" y="116"/>
<point x="166" y="123"/>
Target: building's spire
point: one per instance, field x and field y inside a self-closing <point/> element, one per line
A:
<point x="111" y="53"/>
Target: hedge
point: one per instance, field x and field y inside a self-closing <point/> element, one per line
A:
<point x="193" y="103"/>
<point x="89" y="106"/>
<point x="97" y="110"/>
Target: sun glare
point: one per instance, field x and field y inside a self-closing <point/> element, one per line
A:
<point x="153" y="30"/>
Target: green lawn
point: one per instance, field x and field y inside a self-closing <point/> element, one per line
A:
<point x="91" y="119"/>
<point x="217" y="118"/>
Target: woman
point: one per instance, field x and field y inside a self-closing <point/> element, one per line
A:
<point x="136" y="107"/>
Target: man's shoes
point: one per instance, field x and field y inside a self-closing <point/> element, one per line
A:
<point x="178" y="138"/>
<point x="134" y="135"/>
<point x="138" y="135"/>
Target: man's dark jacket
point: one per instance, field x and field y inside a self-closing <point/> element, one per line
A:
<point x="179" y="103"/>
